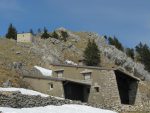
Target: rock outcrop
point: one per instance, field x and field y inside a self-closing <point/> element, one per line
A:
<point x="121" y="59"/>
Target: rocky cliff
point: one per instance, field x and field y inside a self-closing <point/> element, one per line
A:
<point x="120" y="58"/>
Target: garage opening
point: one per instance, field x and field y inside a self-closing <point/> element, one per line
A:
<point x="127" y="87"/>
<point x="76" y="91"/>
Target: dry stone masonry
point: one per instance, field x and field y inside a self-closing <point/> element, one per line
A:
<point x="18" y="100"/>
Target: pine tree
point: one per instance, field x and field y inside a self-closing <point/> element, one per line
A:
<point x="143" y="52"/>
<point x="92" y="54"/>
<point x="118" y="44"/>
<point x="111" y="41"/>
<point x="64" y="35"/>
<point x="45" y="35"/>
<point x="139" y="50"/>
<point x="12" y="32"/>
<point x="55" y="35"/>
<point x="130" y="52"/>
<point x="105" y="36"/>
<point x="115" y="42"/>
<point x="31" y="31"/>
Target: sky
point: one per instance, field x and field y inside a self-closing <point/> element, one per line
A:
<point x="128" y="20"/>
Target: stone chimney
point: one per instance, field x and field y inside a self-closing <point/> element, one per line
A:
<point x="81" y="62"/>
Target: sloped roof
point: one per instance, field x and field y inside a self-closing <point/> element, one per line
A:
<point x="86" y="71"/>
<point x="44" y="71"/>
<point x="57" y="79"/>
<point x="127" y="74"/>
<point x="88" y="67"/>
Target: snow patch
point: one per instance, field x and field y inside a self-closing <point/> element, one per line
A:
<point x="70" y="62"/>
<point x="23" y="91"/>
<point x="56" y="109"/>
<point x="44" y="71"/>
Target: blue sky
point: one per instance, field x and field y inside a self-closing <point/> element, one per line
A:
<point x="128" y="20"/>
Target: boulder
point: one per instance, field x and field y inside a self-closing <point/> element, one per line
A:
<point x="7" y="84"/>
<point x="16" y="65"/>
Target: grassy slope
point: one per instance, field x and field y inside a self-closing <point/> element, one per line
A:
<point x="8" y="55"/>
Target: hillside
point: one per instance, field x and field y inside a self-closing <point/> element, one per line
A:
<point x="17" y="57"/>
<point x="12" y="57"/>
<point x="57" y="51"/>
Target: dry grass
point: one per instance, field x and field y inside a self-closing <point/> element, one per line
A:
<point x="11" y="52"/>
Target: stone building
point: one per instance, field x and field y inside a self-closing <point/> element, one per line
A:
<point x="24" y="37"/>
<point x="107" y="86"/>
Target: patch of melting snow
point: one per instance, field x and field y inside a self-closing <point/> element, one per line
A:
<point x="23" y="91"/>
<point x="56" y="109"/>
<point x="70" y="62"/>
<point x="44" y="71"/>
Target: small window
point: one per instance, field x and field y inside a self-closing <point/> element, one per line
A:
<point x="51" y="86"/>
<point x="96" y="89"/>
<point x="60" y="74"/>
<point x="87" y="76"/>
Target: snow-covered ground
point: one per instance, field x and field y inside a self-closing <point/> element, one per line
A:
<point x="56" y="109"/>
<point x="44" y="71"/>
<point x="24" y="91"/>
<point x="50" y="108"/>
<point x="27" y="92"/>
<point x="70" y="62"/>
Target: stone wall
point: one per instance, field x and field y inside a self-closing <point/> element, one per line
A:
<point x="145" y="93"/>
<point x="103" y="79"/>
<point x="24" y="37"/>
<point x="43" y="85"/>
<point x="135" y="90"/>
<point x="107" y="93"/>
<point x="18" y="100"/>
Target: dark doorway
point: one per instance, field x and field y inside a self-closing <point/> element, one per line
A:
<point x="127" y="87"/>
<point x="76" y="91"/>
